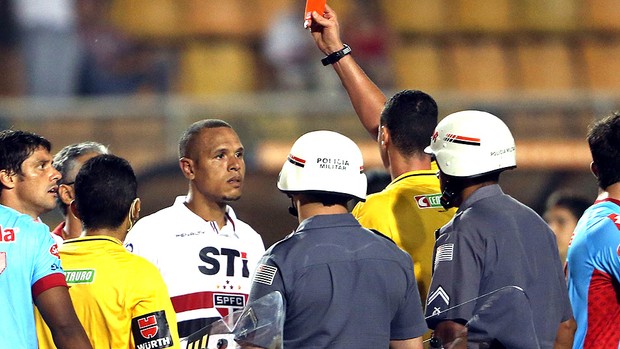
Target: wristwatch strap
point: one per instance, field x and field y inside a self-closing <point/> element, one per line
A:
<point x="336" y="56"/>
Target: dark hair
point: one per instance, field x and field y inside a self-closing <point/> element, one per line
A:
<point x="16" y="146"/>
<point x="65" y="161"/>
<point x="328" y="199"/>
<point x="604" y="141"/>
<point x="105" y="188"/>
<point x="411" y="117"/>
<point x="575" y="203"/>
<point x="186" y="143"/>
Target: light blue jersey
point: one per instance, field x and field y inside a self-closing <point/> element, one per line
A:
<point x="593" y="276"/>
<point x="29" y="265"/>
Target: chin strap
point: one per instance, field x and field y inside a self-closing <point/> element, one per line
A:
<point x="450" y="195"/>
<point x="447" y="199"/>
<point x="292" y="210"/>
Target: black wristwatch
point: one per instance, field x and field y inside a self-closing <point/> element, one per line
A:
<point x="336" y="56"/>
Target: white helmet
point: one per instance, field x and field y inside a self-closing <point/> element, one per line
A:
<point x="324" y="161"/>
<point x="471" y="143"/>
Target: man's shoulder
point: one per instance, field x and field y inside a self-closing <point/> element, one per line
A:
<point x="244" y="227"/>
<point x="14" y="222"/>
<point x="166" y="216"/>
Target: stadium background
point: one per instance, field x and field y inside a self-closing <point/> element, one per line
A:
<point x="547" y="68"/>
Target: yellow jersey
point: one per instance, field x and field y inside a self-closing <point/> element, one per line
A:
<point x="408" y="211"/>
<point x="120" y="298"/>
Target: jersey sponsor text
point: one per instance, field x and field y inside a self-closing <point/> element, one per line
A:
<point x="428" y="201"/>
<point x="8" y="234"/>
<point x="209" y="254"/>
<point x="84" y="276"/>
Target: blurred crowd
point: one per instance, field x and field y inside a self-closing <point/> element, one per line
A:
<point x="75" y="48"/>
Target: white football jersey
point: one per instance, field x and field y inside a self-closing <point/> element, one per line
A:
<point x="208" y="270"/>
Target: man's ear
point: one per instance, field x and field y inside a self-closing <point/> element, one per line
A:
<point x="74" y="211"/>
<point x="7" y="180"/>
<point x="594" y="169"/>
<point x="66" y="194"/>
<point x="187" y="167"/>
<point x="135" y="209"/>
<point x="384" y="136"/>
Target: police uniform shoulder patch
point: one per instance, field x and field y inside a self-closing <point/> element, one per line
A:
<point x="151" y="331"/>
<point x="265" y="274"/>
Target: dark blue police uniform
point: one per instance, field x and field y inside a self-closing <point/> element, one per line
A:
<point x="498" y="247"/>
<point x="343" y="286"/>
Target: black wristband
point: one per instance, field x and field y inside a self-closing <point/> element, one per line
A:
<point x="336" y="56"/>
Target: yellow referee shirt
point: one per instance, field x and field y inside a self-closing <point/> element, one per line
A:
<point x="408" y="211"/>
<point x="120" y="298"/>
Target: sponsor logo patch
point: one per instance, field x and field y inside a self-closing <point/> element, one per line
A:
<point x="54" y="250"/>
<point x="265" y="274"/>
<point x="82" y="276"/>
<point x="151" y="331"/>
<point x="428" y="201"/>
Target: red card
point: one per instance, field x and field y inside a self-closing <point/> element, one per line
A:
<point x="313" y="5"/>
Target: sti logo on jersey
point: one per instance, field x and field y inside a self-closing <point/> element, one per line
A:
<point x="428" y="201"/>
<point x="226" y="303"/>
<point x="151" y="331"/>
<point x="218" y="259"/>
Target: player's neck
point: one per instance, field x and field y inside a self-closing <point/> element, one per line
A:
<point x="207" y="210"/>
<point x="400" y="164"/>
<point x="73" y="227"/>
<point x="312" y="209"/>
<point x="119" y="233"/>
<point x="613" y="191"/>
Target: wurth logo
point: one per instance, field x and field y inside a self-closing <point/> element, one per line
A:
<point x="151" y="331"/>
<point x="148" y="326"/>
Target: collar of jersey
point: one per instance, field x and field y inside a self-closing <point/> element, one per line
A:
<point x="94" y="238"/>
<point x="417" y="173"/>
<point x="612" y="200"/>
<point x="481" y="193"/>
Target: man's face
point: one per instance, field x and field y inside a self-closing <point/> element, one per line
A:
<point x="218" y="165"/>
<point x="562" y="222"/>
<point x="36" y="187"/>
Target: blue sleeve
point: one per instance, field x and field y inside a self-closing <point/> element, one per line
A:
<point x="409" y="320"/>
<point x="46" y="260"/>
<point x="606" y="243"/>
<point x="458" y="261"/>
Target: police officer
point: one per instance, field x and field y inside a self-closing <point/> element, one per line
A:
<point x="344" y="286"/>
<point x="493" y="242"/>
